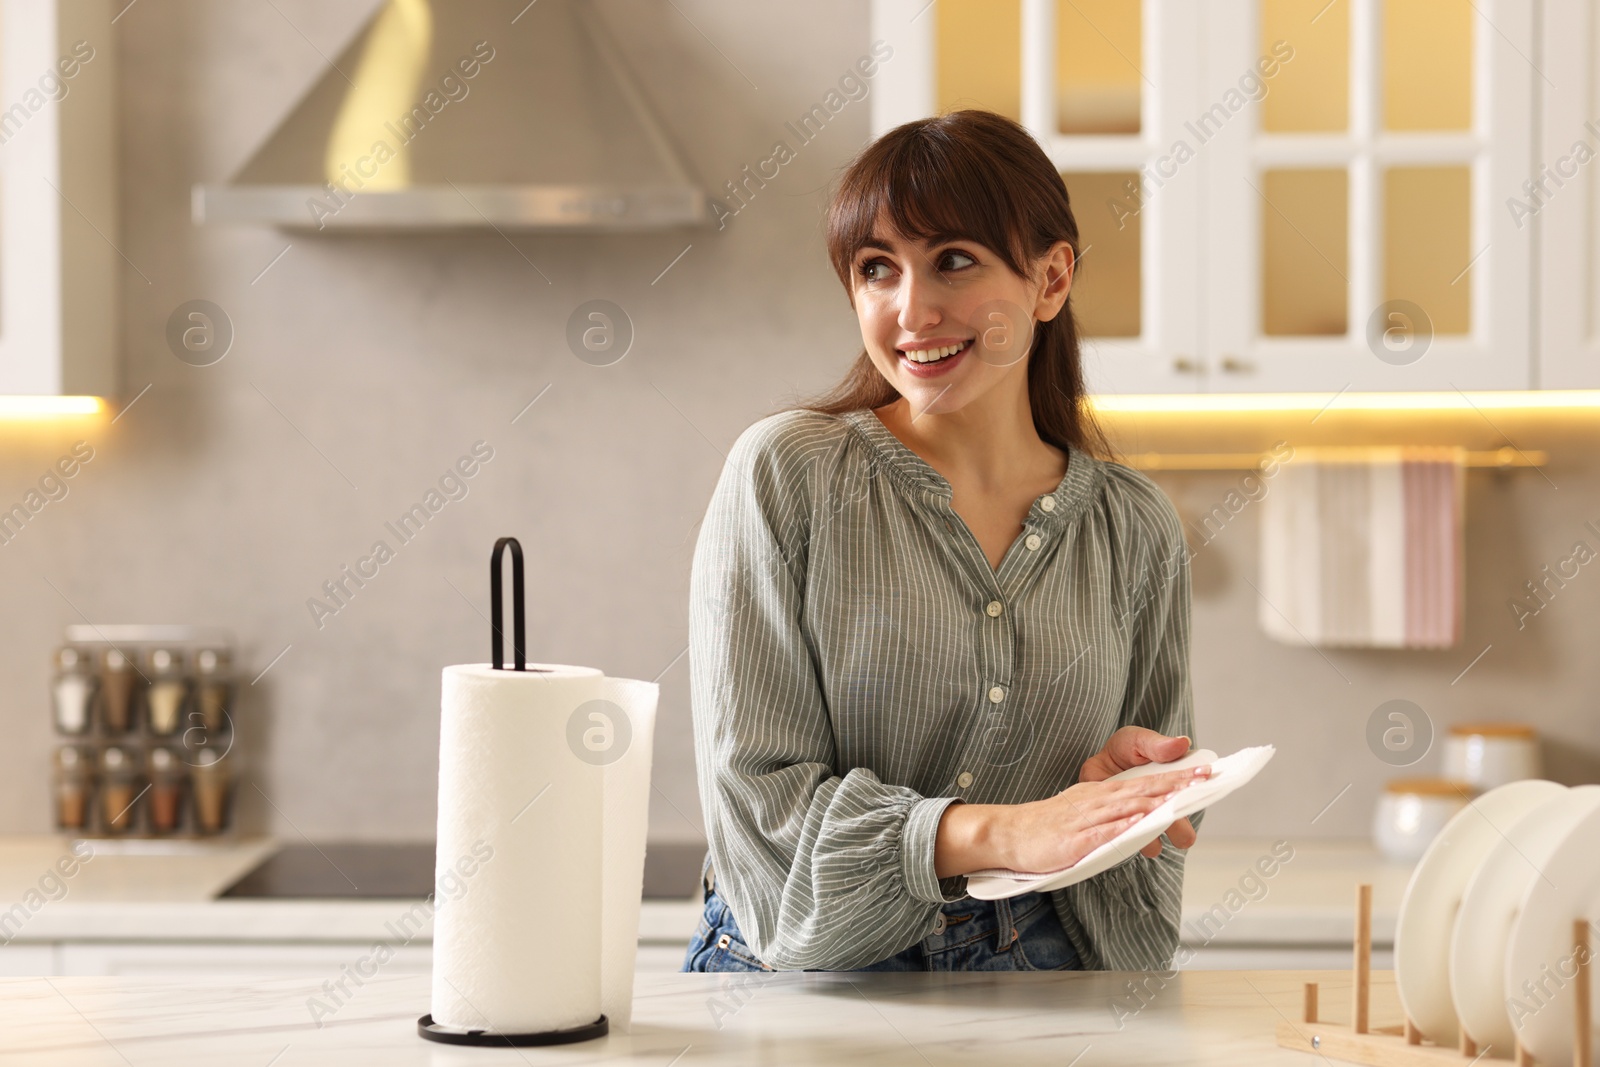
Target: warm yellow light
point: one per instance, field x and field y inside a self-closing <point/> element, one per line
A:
<point x="1199" y="403"/>
<point x="43" y="407"/>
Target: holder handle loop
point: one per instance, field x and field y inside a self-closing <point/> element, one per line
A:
<point x="519" y="631"/>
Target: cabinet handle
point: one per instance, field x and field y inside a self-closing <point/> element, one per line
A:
<point x="1185" y="365"/>
<point x="1234" y="365"/>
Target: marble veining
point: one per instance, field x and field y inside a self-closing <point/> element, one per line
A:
<point x="1020" y="1019"/>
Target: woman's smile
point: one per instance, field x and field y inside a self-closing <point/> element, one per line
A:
<point x="929" y="359"/>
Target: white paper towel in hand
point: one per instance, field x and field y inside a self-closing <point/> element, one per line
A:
<point x="544" y="779"/>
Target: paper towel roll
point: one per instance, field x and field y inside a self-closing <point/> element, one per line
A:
<point x="544" y="788"/>
<point x="627" y="820"/>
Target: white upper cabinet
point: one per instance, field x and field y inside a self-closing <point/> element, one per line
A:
<point x="1273" y="195"/>
<point x="1359" y="237"/>
<point x="59" y="265"/>
<point x="1561" y="199"/>
<point x="1105" y="86"/>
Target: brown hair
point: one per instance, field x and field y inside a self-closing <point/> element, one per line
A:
<point x="982" y="177"/>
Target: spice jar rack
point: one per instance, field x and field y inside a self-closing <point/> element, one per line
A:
<point x="144" y="723"/>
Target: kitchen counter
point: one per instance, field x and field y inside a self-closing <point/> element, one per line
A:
<point x="165" y="893"/>
<point x="1197" y="1017"/>
<point x="127" y="871"/>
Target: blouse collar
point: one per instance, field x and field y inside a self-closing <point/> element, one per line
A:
<point x="1069" y="498"/>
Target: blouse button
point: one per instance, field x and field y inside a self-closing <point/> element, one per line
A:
<point x="1048" y="503"/>
<point x="994" y="609"/>
<point x="964" y="779"/>
<point x="1033" y="542"/>
<point x="996" y="695"/>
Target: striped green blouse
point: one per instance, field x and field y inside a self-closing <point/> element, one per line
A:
<point x="857" y="666"/>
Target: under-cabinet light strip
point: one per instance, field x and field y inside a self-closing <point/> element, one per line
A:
<point x="1200" y="403"/>
<point x="35" y="407"/>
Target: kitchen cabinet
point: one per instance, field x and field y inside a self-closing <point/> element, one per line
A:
<point x="60" y="267"/>
<point x="1273" y="195"/>
<point x="1560" y="201"/>
<point x="18" y="961"/>
<point x="244" y="957"/>
<point x="223" y="957"/>
<point x="133" y="911"/>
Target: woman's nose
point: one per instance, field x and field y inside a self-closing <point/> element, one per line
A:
<point x="919" y="303"/>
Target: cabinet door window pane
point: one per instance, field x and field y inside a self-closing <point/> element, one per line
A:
<point x="1098" y="64"/>
<point x="1427" y="242"/>
<point x="1305" y="252"/>
<point x="979" y="60"/>
<point x="1105" y="285"/>
<point x="1427" y="64"/>
<point x="1311" y="91"/>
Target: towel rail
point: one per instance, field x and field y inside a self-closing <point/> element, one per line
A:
<point x="1495" y="459"/>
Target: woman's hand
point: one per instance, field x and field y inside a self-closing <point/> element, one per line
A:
<point x="1047" y="835"/>
<point x="1133" y="746"/>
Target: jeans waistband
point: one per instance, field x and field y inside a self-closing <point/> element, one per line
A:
<point x="1005" y="924"/>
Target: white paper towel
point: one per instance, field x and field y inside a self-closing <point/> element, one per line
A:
<point x="627" y="821"/>
<point x="544" y="779"/>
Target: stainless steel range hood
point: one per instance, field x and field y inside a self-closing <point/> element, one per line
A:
<point x="468" y="113"/>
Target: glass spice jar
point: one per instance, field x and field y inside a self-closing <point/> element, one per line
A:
<point x="166" y="790"/>
<point x="118" y="680"/>
<point x="213" y="788"/>
<point x="74" y="782"/>
<point x="72" y="690"/>
<point x="119" y="789"/>
<point x="213" y="689"/>
<point x="167" y="693"/>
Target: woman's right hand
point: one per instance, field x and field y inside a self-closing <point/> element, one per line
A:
<point x="1047" y="835"/>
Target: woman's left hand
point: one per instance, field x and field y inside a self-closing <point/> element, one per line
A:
<point x="1132" y="746"/>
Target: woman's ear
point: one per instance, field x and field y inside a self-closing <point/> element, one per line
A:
<point x="1059" y="266"/>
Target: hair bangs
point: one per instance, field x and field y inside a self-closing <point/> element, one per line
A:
<point x="928" y="188"/>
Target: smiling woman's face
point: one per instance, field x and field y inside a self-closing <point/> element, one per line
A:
<point x="945" y="319"/>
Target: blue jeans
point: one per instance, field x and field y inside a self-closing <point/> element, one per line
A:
<point x="1018" y="934"/>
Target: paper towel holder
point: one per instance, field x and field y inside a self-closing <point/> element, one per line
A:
<point x="473" y="1035"/>
<point x="519" y="621"/>
<point x="458" y="1035"/>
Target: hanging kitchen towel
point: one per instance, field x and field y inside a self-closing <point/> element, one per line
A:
<point x="1362" y="547"/>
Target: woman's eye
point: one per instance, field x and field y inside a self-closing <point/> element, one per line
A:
<point x="874" y="270"/>
<point x="954" y="260"/>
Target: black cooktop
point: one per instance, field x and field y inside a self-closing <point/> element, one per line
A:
<point x="341" y="870"/>
<point x="404" y="871"/>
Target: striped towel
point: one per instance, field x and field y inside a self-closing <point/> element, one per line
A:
<point x="1362" y="547"/>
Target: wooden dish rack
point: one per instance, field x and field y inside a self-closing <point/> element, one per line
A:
<point x="1404" y="1045"/>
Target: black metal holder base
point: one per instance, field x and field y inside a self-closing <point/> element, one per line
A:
<point x="453" y="1035"/>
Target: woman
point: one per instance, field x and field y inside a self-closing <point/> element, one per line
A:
<point x="922" y="609"/>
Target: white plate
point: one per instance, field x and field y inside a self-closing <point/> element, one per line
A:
<point x="1482" y="932"/>
<point x="1228" y="773"/>
<point x="1541" y="954"/>
<point x="1433" y="896"/>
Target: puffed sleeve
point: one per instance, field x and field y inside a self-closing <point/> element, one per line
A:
<point x="1128" y="916"/>
<point x="821" y="870"/>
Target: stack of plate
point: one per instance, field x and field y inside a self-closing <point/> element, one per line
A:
<point x="1484" y="940"/>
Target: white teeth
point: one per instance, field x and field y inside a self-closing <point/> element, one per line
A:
<point x="933" y="355"/>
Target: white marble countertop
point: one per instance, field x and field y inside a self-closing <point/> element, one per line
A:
<point x="1023" y="1020"/>
<point x="167" y="892"/>
<point x="126" y="871"/>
